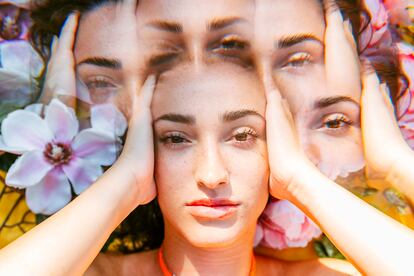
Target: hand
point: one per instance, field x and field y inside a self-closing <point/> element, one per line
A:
<point x="137" y="158"/>
<point x="60" y="78"/>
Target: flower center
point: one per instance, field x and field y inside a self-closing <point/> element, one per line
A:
<point x="58" y="153"/>
<point x="9" y="28"/>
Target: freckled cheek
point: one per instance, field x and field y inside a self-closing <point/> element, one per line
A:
<point x="172" y="172"/>
<point x="249" y="176"/>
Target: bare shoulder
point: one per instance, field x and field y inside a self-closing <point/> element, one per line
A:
<point x="144" y="263"/>
<point x="270" y="266"/>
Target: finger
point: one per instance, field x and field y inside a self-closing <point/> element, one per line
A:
<point x="340" y="55"/>
<point x="281" y="135"/>
<point x="377" y="116"/>
<point x="147" y="90"/>
<point x="68" y="32"/>
<point x="54" y="45"/>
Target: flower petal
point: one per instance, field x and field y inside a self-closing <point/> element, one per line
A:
<point x="28" y="170"/>
<point x="258" y="235"/>
<point x="51" y="194"/>
<point x="82" y="173"/>
<point x="26" y="130"/>
<point x="96" y="146"/>
<point x="19" y="56"/>
<point x="274" y="239"/>
<point x="5" y="148"/>
<point x="108" y="118"/>
<point x="61" y="121"/>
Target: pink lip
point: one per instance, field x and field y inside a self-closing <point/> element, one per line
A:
<point x="212" y="208"/>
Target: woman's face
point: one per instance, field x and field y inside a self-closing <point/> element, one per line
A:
<point x="211" y="165"/>
<point x="289" y="50"/>
<point x="196" y="32"/>
<point x="109" y="55"/>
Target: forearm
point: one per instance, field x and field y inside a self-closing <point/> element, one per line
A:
<point x="402" y="175"/>
<point x="67" y="242"/>
<point x="373" y="242"/>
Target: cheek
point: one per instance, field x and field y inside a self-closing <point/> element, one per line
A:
<point x="336" y="156"/>
<point x="172" y="173"/>
<point x="249" y="175"/>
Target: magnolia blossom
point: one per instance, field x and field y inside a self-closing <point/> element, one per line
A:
<point x="55" y="154"/>
<point x="398" y="12"/>
<point x="283" y="225"/>
<point x="19" y="66"/>
<point x="376" y="34"/>
<point x="405" y="106"/>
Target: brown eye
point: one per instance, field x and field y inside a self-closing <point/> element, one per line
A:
<point x="241" y="137"/>
<point x="336" y="121"/>
<point x="177" y="139"/>
<point x="298" y="60"/>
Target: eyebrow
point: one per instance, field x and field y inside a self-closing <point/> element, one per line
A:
<point x="102" y="62"/>
<point x="167" y="26"/>
<point x="221" y="23"/>
<point x="236" y="115"/>
<point x="176" y="118"/>
<point x="328" y="101"/>
<point x="291" y="40"/>
<point x="227" y="117"/>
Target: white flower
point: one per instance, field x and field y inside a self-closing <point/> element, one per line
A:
<point x="55" y="154"/>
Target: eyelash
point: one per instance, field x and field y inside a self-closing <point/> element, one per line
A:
<point x="99" y="82"/>
<point x="100" y="89"/>
<point x="230" y="46"/>
<point x="340" y="120"/>
<point x="250" y="137"/>
<point x="168" y="140"/>
<point x="298" y="60"/>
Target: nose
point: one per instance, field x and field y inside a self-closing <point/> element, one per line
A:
<point x="210" y="167"/>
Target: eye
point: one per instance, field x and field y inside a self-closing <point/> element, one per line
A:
<point x="230" y="46"/>
<point x="298" y="60"/>
<point x="174" y="139"/>
<point x="233" y="42"/>
<point x="101" y="89"/>
<point x="162" y="59"/>
<point x="244" y="137"/>
<point x="335" y="122"/>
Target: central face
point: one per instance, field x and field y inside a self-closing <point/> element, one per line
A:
<point x="289" y="46"/>
<point x="211" y="164"/>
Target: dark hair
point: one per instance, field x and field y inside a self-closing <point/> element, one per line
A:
<point x="143" y="229"/>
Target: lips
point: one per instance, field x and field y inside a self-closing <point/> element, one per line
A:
<point x="212" y="208"/>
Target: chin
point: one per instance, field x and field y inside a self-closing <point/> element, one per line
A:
<point x="213" y="234"/>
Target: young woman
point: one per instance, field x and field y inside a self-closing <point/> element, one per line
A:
<point x="236" y="130"/>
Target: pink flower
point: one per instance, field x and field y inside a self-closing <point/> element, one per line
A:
<point x="283" y="225"/>
<point x="398" y="12"/>
<point x="376" y="35"/>
<point x="20" y="65"/>
<point x="55" y="154"/>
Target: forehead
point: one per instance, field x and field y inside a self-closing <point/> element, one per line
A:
<point x="193" y="11"/>
<point x="103" y="32"/>
<point x="211" y="89"/>
<point x="277" y="17"/>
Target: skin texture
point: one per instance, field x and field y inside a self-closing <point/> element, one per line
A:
<point x="327" y="120"/>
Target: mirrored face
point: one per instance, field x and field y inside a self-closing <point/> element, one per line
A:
<point x="211" y="165"/>
<point x="289" y="50"/>
<point x="196" y="31"/>
<point x="109" y="56"/>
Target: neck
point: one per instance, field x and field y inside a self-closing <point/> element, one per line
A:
<point x="183" y="258"/>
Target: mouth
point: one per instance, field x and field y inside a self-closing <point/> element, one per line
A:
<point x="212" y="208"/>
